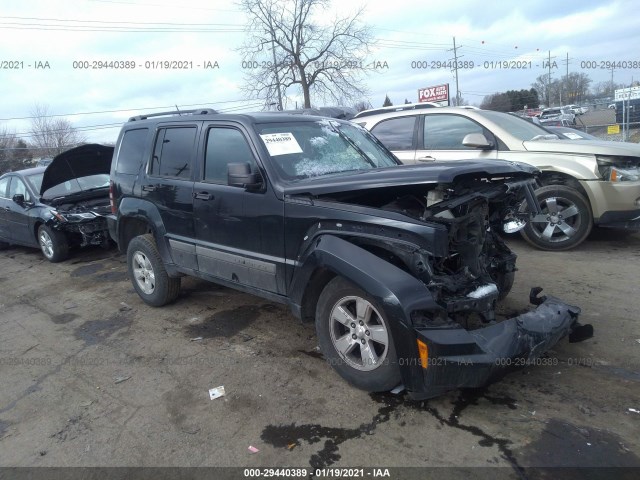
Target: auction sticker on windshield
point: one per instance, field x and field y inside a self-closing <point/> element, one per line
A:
<point x="281" y="143"/>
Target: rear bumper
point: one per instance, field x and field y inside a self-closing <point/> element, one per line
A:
<point x="459" y="358"/>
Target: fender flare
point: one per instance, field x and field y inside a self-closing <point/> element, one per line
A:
<point x="397" y="291"/>
<point x="148" y="212"/>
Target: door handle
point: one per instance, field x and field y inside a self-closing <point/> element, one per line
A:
<point x="203" y="196"/>
<point x="149" y="188"/>
<point x="427" y="158"/>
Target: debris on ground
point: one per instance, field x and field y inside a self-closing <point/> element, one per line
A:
<point x="196" y="339"/>
<point x="291" y="446"/>
<point x="253" y="449"/>
<point x="86" y="404"/>
<point x="398" y="389"/>
<point x="216" y="392"/>
<point x="122" y="379"/>
<point x="633" y="410"/>
<point x="124" y="307"/>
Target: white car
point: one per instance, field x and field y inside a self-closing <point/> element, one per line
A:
<point x="558" y="113"/>
<point x="582" y="183"/>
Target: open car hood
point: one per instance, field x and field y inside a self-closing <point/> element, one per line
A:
<point x="82" y="161"/>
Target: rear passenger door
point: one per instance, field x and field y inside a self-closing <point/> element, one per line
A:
<point x="441" y="138"/>
<point x="400" y="136"/>
<point x="169" y="180"/>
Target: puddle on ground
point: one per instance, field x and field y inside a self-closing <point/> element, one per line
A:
<point x="85" y="270"/>
<point x="282" y="436"/>
<point x="226" y="323"/>
<point x="63" y="318"/>
<point x="563" y="444"/>
<point x="93" y="332"/>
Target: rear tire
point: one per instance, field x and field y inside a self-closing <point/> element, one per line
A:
<point x="4" y="245"/>
<point x="53" y="244"/>
<point x="369" y="360"/>
<point x="148" y="274"/>
<point x="565" y="222"/>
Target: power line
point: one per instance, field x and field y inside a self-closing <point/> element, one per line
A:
<point x="200" y="104"/>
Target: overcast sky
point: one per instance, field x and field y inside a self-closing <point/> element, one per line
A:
<point x="406" y="31"/>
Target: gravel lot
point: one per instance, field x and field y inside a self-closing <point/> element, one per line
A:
<point x="91" y="376"/>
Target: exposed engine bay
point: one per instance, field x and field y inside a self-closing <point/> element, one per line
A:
<point x="479" y="268"/>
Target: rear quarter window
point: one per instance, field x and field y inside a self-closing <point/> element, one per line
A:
<point x="131" y="153"/>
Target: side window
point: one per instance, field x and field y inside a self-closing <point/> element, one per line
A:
<point x="396" y="133"/>
<point x="173" y="152"/>
<point x="224" y="146"/>
<point x="18" y="187"/>
<point x="131" y="152"/>
<point x="446" y="132"/>
<point x="4" y="183"/>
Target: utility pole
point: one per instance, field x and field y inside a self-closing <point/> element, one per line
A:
<point x="549" y="81"/>
<point x="455" y="68"/>
<point x="566" y="82"/>
<point x="275" y="65"/>
<point x="612" y="70"/>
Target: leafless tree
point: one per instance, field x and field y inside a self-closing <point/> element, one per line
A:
<point x="286" y="48"/>
<point x="362" y="105"/>
<point x="14" y="153"/>
<point x="50" y="135"/>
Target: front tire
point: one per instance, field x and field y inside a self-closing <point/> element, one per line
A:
<point x="148" y="275"/>
<point x="354" y="337"/>
<point x="565" y="221"/>
<point x="53" y="244"/>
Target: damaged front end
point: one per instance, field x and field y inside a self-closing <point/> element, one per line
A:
<point x="441" y="295"/>
<point x="460" y="343"/>
<point x="84" y="225"/>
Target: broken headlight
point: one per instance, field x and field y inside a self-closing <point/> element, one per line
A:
<point x="619" y="169"/>
<point x="73" y="217"/>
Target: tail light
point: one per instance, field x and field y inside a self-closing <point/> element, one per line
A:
<point x="112" y="201"/>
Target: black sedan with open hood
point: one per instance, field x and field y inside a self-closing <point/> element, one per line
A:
<point x="59" y="206"/>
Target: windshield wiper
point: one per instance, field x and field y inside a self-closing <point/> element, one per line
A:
<point x="353" y="144"/>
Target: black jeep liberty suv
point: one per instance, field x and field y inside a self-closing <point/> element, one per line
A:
<point x="400" y="267"/>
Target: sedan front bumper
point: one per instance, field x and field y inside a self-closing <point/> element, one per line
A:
<point x="459" y="358"/>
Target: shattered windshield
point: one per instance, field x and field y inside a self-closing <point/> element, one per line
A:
<point x="310" y="149"/>
<point x="71" y="186"/>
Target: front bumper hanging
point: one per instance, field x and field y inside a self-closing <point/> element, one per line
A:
<point x="459" y="358"/>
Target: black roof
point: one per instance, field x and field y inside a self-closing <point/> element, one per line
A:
<point x="246" y="118"/>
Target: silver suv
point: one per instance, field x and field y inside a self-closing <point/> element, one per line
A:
<point x="582" y="183"/>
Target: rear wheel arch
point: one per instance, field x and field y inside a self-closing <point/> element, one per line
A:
<point x="130" y="228"/>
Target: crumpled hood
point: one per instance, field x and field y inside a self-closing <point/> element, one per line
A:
<point x="584" y="147"/>
<point x="432" y="172"/>
<point x="82" y="161"/>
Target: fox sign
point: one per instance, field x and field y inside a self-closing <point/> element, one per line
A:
<point x="438" y="93"/>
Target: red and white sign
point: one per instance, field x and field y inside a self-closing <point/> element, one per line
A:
<point x="439" y="93"/>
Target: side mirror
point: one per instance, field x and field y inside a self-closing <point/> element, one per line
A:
<point x="239" y="175"/>
<point x="477" y="140"/>
<point x="19" y="199"/>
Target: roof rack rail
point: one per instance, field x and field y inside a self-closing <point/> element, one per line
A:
<point x="198" y="111"/>
<point x="397" y="108"/>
